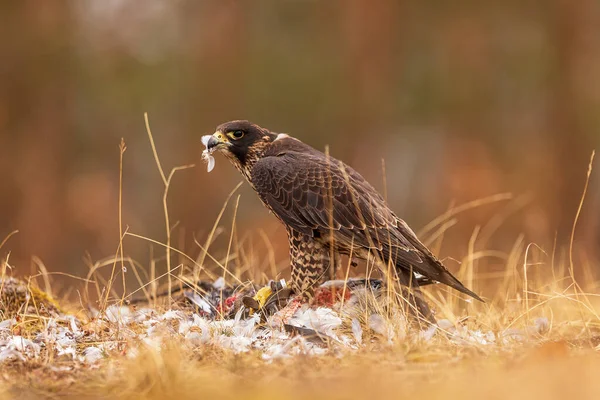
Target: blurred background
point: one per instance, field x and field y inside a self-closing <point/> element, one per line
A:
<point x="462" y="100"/>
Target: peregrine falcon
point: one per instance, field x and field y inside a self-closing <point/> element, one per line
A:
<point x="328" y="210"/>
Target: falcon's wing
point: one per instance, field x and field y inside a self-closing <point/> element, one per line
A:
<point x="314" y="195"/>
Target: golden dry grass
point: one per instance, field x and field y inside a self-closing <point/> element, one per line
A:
<point x="556" y="369"/>
<point x="556" y="361"/>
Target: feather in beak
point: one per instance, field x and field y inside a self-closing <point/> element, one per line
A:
<point x="207" y="153"/>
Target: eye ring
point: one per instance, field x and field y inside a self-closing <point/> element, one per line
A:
<point x="236" y="134"/>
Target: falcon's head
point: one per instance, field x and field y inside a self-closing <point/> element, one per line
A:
<point x="242" y="142"/>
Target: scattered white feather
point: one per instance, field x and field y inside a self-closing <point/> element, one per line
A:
<point x="323" y="320"/>
<point x="24" y="345"/>
<point x="541" y="325"/>
<point x="445" y="324"/>
<point x="238" y="344"/>
<point x="73" y="324"/>
<point x="18" y="347"/>
<point x="379" y="325"/>
<point x="118" y="314"/>
<point x="219" y="284"/>
<point x="427" y="334"/>
<point x="173" y="314"/>
<point x="199" y="302"/>
<point x="68" y="351"/>
<point x="357" y="330"/>
<point x="92" y="355"/>
<point x="11" y="354"/>
<point x="89" y="342"/>
<point x="7" y="324"/>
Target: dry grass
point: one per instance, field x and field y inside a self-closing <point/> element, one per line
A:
<point x="549" y="372"/>
<point x="552" y="364"/>
<point x="544" y="324"/>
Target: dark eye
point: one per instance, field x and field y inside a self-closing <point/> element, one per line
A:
<point x="237" y="134"/>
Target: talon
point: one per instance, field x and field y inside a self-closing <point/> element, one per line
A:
<point x="269" y="299"/>
<point x="262" y="295"/>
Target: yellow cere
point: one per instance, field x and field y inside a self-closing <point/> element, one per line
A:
<point x="221" y="137"/>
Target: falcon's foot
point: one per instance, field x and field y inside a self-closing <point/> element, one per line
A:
<point x="269" y="299"/>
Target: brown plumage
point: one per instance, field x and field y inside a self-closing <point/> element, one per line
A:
<point x="319" y="198"/>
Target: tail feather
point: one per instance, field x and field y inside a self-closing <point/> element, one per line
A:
<point x="448" y="279"/>
<point x="431" y="270"/>
<point x="426" y="263"/>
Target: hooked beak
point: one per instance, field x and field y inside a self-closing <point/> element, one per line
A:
<point x="216" y="141"/>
